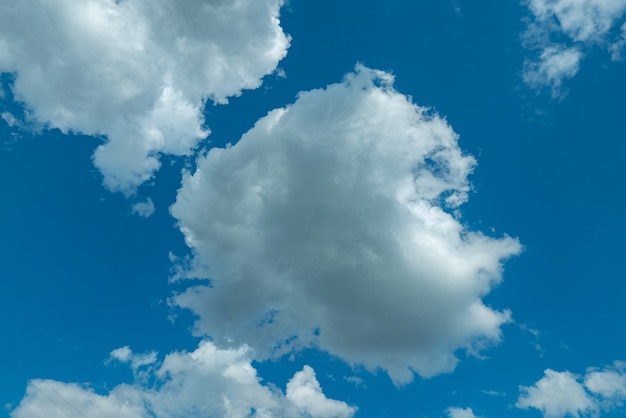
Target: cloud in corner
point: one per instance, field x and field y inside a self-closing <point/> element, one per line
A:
<point x="560" y="31"/>
<point x="137" y="72"/>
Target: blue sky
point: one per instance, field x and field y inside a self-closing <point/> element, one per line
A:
<point x="312" y="209"/>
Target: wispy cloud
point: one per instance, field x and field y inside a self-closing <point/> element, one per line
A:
<point x="554" y="65"/>
<point x="493" y="393"/>
<point x="617" y="48"/>
<point x="10" y="120"/>
<point x="560" y="31"/>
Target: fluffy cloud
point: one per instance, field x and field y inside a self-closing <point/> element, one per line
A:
<point x="205" y="382"/>
<point x="559" y="30"/>
<point x="144" y="209"/>
<point x="460" y="413"/>
<point x="560" y="394"/>
<point x="328" y="225"/>
<point x="304" y="391"/>
<point x="557" y="394"/>
<point x="136" y="71"/>
<point x="136" y="361"/>
<point x="609" y="384"/>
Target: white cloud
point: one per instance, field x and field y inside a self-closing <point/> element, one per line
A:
<point x="304" y="391"/>
<point x="559" y="394"/>
<point x="460" y="413"/>
<point x="144" y="209"/>
<point x="356" y="381"/>
<point x="555" y="64"/>
<point x="608" y="383"/>
<point x="206" y="382"/>
<point x="580" y="20"/>
<point x="137" y="71"/>
<point x="125" y="355"/>
<point x="324" y="226"/>
<point x="575" y="24"/>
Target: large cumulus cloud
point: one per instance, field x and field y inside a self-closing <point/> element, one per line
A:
<point x="136" y="71"/>
<point x="207" y="382"/>
<point x="329" y="225"/>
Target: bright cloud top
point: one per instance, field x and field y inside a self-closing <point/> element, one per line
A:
<point x="560" y="394"/>
<point x="136" y="71"/>
<point x="324" y="226"/>
<point x="205" y="382"/>
<point x="560" y="30"/>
